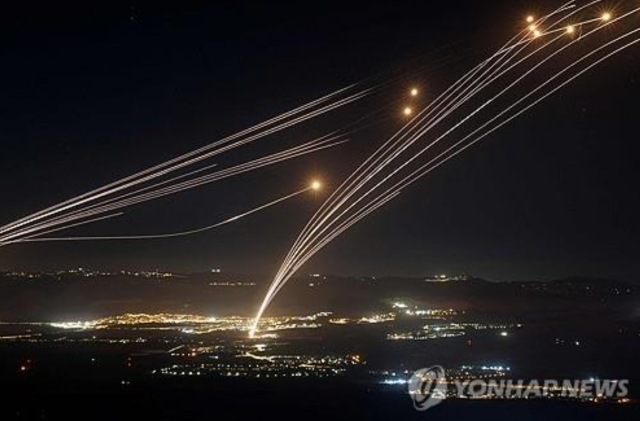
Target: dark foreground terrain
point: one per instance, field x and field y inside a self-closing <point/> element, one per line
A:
<point x="146" y="399"/>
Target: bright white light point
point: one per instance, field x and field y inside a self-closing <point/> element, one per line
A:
<point x="571" y="29"/>
<point x="316" y="186"/>
<point x="415" y="92"/>
<point x="606" y="17"/>
<point x="530" y="19"/>
<point x="532" y="28"/>
<point x="408" y="111"/>
<point x="537" y="34"/>
<point x="504" y="334"/>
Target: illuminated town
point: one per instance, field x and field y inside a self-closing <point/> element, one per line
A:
<point x="374" y="345"/>
<point x="196" y="346"/>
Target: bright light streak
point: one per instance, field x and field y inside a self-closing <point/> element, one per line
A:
<point x="319" y="231"/>
<point x="457" y="86"/>
<point x="182" y="233"/>
<point x="300" y="245"/>
<point x="142" y="195"/>
<point x="272" y="126"/>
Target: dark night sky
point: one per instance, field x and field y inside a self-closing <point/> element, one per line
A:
<point x="92" y="93"/>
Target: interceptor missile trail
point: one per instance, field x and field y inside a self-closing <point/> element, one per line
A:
<point x="278" y="288"/>
<point x="353" y="220"/>
<point x="437" y="162"/>
<point x="477" y="69"/>
<point x="340" y="212"/>
<point x="406" y="163"/>
<point x="387" y="159"/>
<point x="444" y="97"/>
<point x="314" y="186"/>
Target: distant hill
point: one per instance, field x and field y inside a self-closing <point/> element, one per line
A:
<point x="87" y="294"/>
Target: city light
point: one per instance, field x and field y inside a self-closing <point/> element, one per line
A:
<point x="408" y="111"/>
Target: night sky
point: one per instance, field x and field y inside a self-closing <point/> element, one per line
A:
<point x="93" y="93"/>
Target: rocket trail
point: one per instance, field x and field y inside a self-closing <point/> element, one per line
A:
<point x="153" y="183"/>
<point x="164" y="236"/>
<point x="275" y="125"/>
<point x="353" y="220"/>
<point x="127" y="201"/>
<point x="78" y="224"/>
